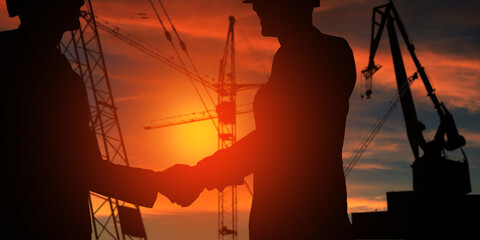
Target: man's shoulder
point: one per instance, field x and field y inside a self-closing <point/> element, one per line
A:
<point x="334" y="42"/>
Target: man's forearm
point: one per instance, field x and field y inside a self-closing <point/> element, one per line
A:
<point x="229" y="166"/>
<point x="134" y="185"/>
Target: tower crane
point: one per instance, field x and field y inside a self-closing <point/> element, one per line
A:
<point x="225" y="112"/>
<point x="226" y="88"/>
<point x="83" y="49"/>
<point x="439" y="205"/>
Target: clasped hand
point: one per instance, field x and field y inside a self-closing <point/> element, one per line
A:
<point x="180" y="184"/>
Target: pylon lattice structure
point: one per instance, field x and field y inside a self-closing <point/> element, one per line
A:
<point x="83" y="49"/>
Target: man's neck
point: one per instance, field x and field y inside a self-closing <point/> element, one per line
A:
<point x="296" y="34"/>
<point x="35" y="36"/>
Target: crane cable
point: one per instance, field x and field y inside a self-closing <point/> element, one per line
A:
<point x="144" y="47"/>
<point x="169" y="38"/>
<point x="183" y="46"/>
<point x="378" y="125"/>
<point x="252" y="50"/>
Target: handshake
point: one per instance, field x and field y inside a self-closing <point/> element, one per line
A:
<point x="182" y="184"/>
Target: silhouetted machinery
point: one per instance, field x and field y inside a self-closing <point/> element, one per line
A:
<point x="439" y="205"/>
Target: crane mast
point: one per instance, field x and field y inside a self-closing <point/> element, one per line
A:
<point x="227" y="132"/>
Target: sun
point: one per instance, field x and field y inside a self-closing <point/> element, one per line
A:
<point x="194" y="141"/>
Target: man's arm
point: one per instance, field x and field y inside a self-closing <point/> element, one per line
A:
<point x="133" y="185"/>
<point x="229" y="166"/>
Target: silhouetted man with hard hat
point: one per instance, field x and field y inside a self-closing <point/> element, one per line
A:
<point x="50" y="156"/>
<point x="295" y="152"/>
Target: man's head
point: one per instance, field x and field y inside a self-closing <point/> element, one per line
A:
<point x="277" y="16"/>
<point x="61" y="15"/>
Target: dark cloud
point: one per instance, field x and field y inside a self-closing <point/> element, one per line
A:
<point x="443" y="26"/>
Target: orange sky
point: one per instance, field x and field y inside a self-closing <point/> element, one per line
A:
<point x="145" y="89"/>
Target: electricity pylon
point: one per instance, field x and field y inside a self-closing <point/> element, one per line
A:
<point x="83" y="49"/>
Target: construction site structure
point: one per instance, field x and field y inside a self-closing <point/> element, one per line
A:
<point x="88" y="61"/>
<point x="227" y="131"/>
<point x="190" y="118"/>
<point x="439" y="205"/>
<point x="226" y="89"/>
<point x="225" y="112"/>
<point x="111" y="218"/>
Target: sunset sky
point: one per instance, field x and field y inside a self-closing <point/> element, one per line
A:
<point x="446" y="35"/>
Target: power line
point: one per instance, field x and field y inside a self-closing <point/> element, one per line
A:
<point x="252" y="50"/>
<point x="183" y="46"/>
<point x="149" y="50"/>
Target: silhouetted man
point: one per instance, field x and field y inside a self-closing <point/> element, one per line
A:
<point x="295" y="153"/>
<point x="50" y="156"/>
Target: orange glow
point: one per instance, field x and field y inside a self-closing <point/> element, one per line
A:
<point x="146" y="90"/>
<point x="367" y="204"/>
<point x="193" y="140"/>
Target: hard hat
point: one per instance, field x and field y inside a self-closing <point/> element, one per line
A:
<point x="16" y="7"/>
<point x="316" y="3"/>
<point x="19" y="7"/>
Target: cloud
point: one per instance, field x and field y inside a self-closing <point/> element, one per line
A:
<point x="455" y="78"/>
<point x="472" y="137"/>
<point x="447" y="27"/>
<point x="131" y="98"/>
<point x="372" y="166"/>
<point x="361" y="204"/>
<point x="204" y="35"/>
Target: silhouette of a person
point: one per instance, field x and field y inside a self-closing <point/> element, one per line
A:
<point x="50" y="157"/>
<point x="295" y="152"/>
